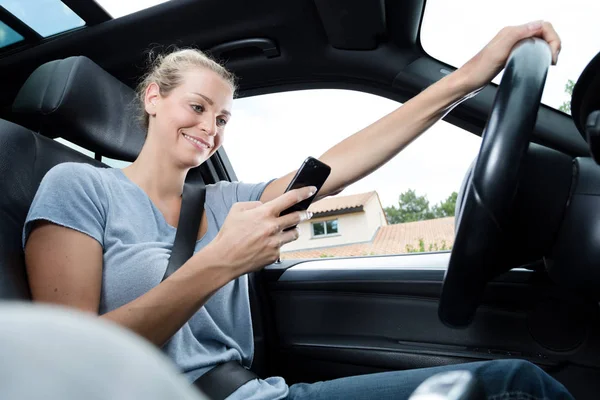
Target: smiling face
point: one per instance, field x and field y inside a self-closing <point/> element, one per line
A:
<point x="189" y="121"/>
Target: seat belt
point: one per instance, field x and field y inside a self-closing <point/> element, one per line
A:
<point x="190" y="215"/>
<point x="225" y="378"/>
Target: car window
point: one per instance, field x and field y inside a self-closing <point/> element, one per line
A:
<point x="455" y="43"/>
<point x="407" y="206"/>
<point x="75" y="147"/>
<point x="115" y="163"/>
<point x="120" y="8"/>
<point x="8" y="36"/>
<point x="46" y="17"/>
<point x="108" y="161"/>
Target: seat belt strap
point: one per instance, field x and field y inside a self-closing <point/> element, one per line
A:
<point x="190" y="215"/>
<point x="224" y="379"/>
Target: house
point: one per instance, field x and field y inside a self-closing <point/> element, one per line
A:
<point x="355" y="225"/>
<point x="340" y="220"/>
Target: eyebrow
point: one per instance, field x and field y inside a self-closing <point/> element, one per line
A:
<point x="209" y="101"/>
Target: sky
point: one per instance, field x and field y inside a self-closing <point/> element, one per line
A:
<point x="271" y="135"/>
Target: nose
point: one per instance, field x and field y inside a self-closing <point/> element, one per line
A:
<point x="208" y="124"/>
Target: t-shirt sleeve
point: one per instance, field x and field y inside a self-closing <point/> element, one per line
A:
<point x="249" y="191"/>
<point x="233" y="192"/>
<point x="71" y="195"/>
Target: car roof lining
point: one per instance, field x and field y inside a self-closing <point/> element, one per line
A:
<point x="397" y="68"/>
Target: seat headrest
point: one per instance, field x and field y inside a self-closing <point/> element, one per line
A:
<point x="586" y="94"/>
<point x="77" y="100"/>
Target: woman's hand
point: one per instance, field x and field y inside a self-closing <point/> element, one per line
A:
<point x="252" y="234"/>
<point x="481" y="69"/>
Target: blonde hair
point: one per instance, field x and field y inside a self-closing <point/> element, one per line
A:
<point x="166" y="70"/>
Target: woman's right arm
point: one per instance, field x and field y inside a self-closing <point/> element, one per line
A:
<point x="64" y="267"/>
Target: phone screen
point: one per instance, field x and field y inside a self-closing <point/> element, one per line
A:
<point x="312" y="173"/>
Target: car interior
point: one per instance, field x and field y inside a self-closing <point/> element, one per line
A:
<point x="521" y="280"/>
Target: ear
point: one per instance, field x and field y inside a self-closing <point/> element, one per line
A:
<point x="151" y="98"/>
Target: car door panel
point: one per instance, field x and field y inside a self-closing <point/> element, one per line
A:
<point x="341" y="317"/>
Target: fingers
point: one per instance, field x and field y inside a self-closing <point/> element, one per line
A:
<point x="293" y="219"/>
<point x="543" y="30"/>
<point x="550" y="36"/>
<point x="286" y="200"/>
<point x="246" y="205"/>
<point x="288" y="236"/>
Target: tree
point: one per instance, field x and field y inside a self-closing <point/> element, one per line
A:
<point x="446" y="207"/>
<point x="410" y="208"/>
<point x="566" y="106"/>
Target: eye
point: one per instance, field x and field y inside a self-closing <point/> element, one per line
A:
<point x="197" y="108"/>
<point x="221" y="121"/>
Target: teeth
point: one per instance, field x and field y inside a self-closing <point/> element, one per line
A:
<point x="195" y="141"/>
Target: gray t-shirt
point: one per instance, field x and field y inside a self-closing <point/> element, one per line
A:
<point x="136" y="242"/>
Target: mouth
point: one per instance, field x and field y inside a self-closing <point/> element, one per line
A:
<point x="198" y="142"/>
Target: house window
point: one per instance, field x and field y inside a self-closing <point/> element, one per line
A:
<point x="325" y="228"/>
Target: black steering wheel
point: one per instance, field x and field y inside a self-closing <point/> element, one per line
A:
<point x="488" y="193"/>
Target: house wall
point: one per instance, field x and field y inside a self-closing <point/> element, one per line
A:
<point x="375" y="214"/>
<point x="355" y="227"/>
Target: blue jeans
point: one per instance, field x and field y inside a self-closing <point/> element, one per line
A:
<point x="502" y="380"/>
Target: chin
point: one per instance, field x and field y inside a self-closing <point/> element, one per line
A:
<point x="196" y="160"/>
<point x="192" y="159"/>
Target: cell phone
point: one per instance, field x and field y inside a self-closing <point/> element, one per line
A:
<point x="312" y="172"/>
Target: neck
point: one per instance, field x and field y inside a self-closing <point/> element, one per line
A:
<point x="155" y="174"/>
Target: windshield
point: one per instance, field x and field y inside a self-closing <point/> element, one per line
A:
<point x="454" y="31"/>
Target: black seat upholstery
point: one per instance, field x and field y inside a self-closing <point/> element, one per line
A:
<point x="77" y="100"/>
<point x="74" y="99"/>
<point x="25" y="157"/>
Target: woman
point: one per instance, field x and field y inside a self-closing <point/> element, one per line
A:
<point x="99" y="239"/>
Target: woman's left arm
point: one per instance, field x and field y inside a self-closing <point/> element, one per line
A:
<point x="362" y="153"/>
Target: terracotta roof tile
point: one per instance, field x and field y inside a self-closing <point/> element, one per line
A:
<point x="336" y="203"/>
<point x="390" y="239"/>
